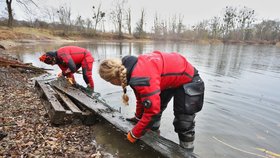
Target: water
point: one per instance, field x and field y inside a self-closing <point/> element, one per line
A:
<point x="241" y="113"/>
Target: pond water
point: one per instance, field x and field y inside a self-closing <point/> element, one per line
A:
<point x="241" y="113"/>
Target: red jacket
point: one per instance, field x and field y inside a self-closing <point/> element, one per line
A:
<point x="74" y="57"/>
<point x="151" y="74"/>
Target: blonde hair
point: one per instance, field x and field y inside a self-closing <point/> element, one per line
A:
<point x="110" y="69"/>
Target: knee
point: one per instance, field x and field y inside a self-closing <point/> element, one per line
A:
<point x="183" y="122"/>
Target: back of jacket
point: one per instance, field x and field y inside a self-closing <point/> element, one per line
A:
<point x="76" y="53"/>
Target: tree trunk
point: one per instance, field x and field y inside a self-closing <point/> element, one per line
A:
<point x="120" y="29"/>
<point x="10" y="12"/>
<point x="129" y="22"/>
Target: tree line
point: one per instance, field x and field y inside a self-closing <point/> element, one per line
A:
<point x="235" y="24"/>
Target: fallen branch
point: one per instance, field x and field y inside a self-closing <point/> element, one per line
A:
<point x="8" y="124"/>
<point x="17" y="64"/>
<point x="2" y="47"/>
<point x="3" y="135"/>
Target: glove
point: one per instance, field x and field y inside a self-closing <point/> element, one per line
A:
<point x="133" y="120"/>
<point x="89" y="90"/>
<point x="71" y="80"/>
<point x="131" y="137"/>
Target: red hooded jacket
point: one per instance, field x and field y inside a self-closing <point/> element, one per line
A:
<point x="151" y="74"/>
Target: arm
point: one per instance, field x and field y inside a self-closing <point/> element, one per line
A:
<point x="139" y="110"/>
<point x="149" y="114"/>
<point x="66" y="58"/>
<point x="71" y="65"/>
<point x="87" y="70"/>
<point x="87" y="75"/>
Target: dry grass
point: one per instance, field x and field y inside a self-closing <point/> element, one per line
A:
<point x="19" y="33"/>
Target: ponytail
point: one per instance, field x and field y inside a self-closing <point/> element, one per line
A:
<point x="110" y="69"/>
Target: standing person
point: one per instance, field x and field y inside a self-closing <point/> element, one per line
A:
<point x="155" y="78"/>
<point x="70" y="59"/>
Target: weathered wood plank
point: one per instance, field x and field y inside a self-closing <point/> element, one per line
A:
<point x="54" y="109"/>
<point x="76" y="111"/>
<point x="160" y="144"/>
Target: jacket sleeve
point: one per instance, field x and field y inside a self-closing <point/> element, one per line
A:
<point x="149" y="113"/>
<point x="72" y="65"/>
<point x="139" y="107"/>
<point x="87" y="70"/>
<point x="66" y="58"/>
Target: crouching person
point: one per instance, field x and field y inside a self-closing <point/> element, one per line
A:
<point x="156" y="78"/>
<point x="70" y="59"/>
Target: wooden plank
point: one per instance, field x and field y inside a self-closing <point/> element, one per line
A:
<point x="160" y="144"/>
<point x="69" y="103"/>
<point x="54" y="109"/>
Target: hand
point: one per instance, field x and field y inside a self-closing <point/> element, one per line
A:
<point x="131" y="137"/>
<point x="71" y="80"/>
<point x="134" y="120"/>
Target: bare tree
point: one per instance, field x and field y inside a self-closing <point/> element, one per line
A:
<point x="164" y="28"/>
<point x="31" y="16"/>
<point x="64" y="15"/>
<point x="24" y="3"/>
<point x="128" y="20"/>
<point x="229" y="20"/>
<point x="88" y="23"/>
<point x="79" y="23"/>
<point x="10" y="13"/>
<point x="173" y="24"/>
<point x="215" y="27"/>
<point x="180" y="25"/>
<point x="139" y="30"/>
<point x="245" y="19"/>
<point x="201" y="29"/>
<point x="117" y="16"/>
<point x="268" y="30"/>
<point x="50" y="13"/>
<point x="157" y="26"/>
<point x="98" y="15"/>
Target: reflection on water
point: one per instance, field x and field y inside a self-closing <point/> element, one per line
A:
<point x="242" y="104"/>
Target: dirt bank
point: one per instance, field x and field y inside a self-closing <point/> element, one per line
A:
<point x="29" y="132"/>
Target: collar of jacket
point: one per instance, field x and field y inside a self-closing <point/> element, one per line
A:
<point x="129" y="62"/>
<point x="58" y="61"/>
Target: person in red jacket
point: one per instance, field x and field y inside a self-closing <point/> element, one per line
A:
<point x="155" y="78"/>
<point x="70" y="59"/>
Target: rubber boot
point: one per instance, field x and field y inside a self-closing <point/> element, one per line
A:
<point x="187" y="140"/>
<point x="187" y="145"/>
